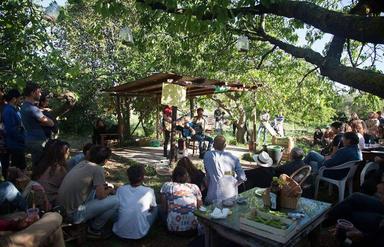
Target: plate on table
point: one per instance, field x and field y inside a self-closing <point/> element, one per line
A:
<point x="259" y="191"/>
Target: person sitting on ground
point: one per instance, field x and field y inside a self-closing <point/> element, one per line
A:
<point x="38" y="232"/>
<point x="51" y="169"/>
<point x="79" y="157"/>
<point x="366" y="213"/>
<point x="98" y="129"/>
<point x="358" y="128"/>
<point x="317" y="136"/>
<point x="262" y="175"/>
<point x="10" y="198"/>
<point x="14" y="130"/>
<point x="199" y="125"/>
<point x="197" y="176"/>
<point x="349" y="152"/>
<point x="295" y="163"/>
<point x="33" y="121"/>
<point x="138" y="208"/>
<point x="179" y="199"/>
<point x="313" y="157"/>
<point x="84" y="192"/>
<point x="223" y="171"/>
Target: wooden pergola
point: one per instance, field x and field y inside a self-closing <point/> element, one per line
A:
<point x="151" y="86"/>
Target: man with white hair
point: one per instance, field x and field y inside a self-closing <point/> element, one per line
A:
<point x="223" y="170"/>
<point x="295" y="163"/>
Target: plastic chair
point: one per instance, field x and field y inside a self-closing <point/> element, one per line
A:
<point x="351" y="165"/>
<point x="367" y="168"/>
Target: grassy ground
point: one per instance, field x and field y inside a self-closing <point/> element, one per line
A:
<point x="158" y="236"/>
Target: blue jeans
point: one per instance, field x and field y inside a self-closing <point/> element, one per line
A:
<point x="96" y="211"/>
<point x="315" y="160"/>
<point x="201" y="139"/>
<point x="10" y="194"/>
<point x="35" y="148"/>
<point x="262" y="128"/>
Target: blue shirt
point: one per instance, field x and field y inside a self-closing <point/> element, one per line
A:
<point x="342" y="156"/>
<point x="30" y="116"/>
<point x="14" y="131"/>
<point x="219" y="164"/>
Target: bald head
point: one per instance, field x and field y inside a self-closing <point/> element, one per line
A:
<point x="219" y="143"/>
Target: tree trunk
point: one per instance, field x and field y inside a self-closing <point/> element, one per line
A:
<point x="240" y="133"/>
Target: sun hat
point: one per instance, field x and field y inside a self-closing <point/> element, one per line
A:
<point x="263" y="159"/>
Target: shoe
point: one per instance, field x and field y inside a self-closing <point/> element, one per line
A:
<point x="98" y="234"/>
<point x="92" y="233"/>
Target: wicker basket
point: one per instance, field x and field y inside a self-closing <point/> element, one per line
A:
<point x="290" y="193"/>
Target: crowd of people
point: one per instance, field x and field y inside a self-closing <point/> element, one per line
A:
<point x="76" y="187"/>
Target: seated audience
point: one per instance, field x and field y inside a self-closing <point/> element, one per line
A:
<point x="262" y="175"/>
<point x="366" y="213"/>
<point x="221" y="166"/>
<point x="10" y="198"/>
<point x="84" y="193"/>
<point x="51" y="169"/>
<point x="43" y="232"/>
<point x="197" y="176"/>
<point x="79" y="157"/>
<point x="138" y="208"/>
<point x="358" y="128"/>
<point x="372" y="124"/>
<point x="313" y="158"/>
<point x="179" y="199"/>
<point x="349" y="152"/>
<point x="295" y="163"/>
<point x="318" y="136"/>
<point x="199" y="125"/>
<point x="98" y="129"/>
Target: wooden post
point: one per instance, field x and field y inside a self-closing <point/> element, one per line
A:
<point x="120" y="121"/>
<point x="254" y="136"/>
<point x="158" y="107"/>
<point x="128" y="109"/>
<point x="191" y="106"/>
<point x="172" y="153"/>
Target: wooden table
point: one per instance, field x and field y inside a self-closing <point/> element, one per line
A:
<point x="229" y="228"/>
<point x="109" y="136"/>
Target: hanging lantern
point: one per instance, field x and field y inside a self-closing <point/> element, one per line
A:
<point x="126" y="35"/>
<point x="52" y="12"/>
<point x="242" y="43"/>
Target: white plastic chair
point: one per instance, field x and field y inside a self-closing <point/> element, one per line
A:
<point x="352" y="165"/>
<point x="367" y="168"/>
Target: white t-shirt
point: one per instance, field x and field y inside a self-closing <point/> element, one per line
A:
<point x="361" y="141"/>
<point x="135" y="203"/>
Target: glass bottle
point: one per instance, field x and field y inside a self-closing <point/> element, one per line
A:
<point x="275" y="195"/>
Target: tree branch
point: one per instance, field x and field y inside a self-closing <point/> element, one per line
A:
<point x="265" y="56"/>
<point x="362" y="28"/>
<point x="306" y="75"/>
<point x="365" y="80"/>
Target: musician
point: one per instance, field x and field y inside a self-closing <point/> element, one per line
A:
<point x="199" y="123"/>
<point x="167" y="127"/>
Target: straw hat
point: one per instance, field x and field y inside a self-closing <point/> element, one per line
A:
<point x="263" y="159"/>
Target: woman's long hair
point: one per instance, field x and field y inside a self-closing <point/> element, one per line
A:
<point x="192" y="170"/>
<point x="54" y="156"/>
